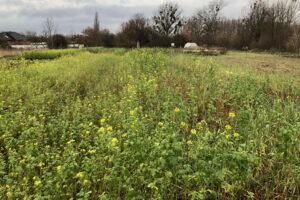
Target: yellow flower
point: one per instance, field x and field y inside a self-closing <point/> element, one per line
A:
<point x="160" y="124"/>
<point x="37" y="182"/>
<point x="236" y="134"/>
<point x="102" y="121"/>
<point x="41" y="164"/>
<point x="232" y="114"/>
<point x="58" y="168"/>
<point x="92" y="151"/>
<point x="189" y="142"/>
<point x="87" y="132"/>
<point x="132" y="112"/>
<point x="203" y="122"/>
<point x="183" y="124"/>
<point x="177" y="110"/>
<point x="110" y="128"/>
<point x="91" y="124"/>
<point x="226" y="189"/>
<point x="115" y="140"/>
<point x="228" y="72"/>
<point x="199" y="125"/>
<point x="79" y="175"/>
<point x="70" y="142"/>
<point x="9" y="194"/>
<point x="228" y="127"/>
<point x="101" y="130"/>
<point x="156" y="144"/>
<point x="193" y="132"/>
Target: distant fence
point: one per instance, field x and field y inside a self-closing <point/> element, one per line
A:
<point x="30" y="46"/>
<point x="43" y="46"/>
<point x="79" y="46"/>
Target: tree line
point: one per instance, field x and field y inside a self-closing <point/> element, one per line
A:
<point x="266" y="25"/>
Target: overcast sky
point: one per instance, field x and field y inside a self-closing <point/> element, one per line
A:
<point x="72" y="16"/>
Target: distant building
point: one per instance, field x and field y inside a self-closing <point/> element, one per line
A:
<point x="13" y="37"/>
<point x="18" y="41"/>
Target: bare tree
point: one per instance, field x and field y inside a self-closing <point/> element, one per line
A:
<point x="49" y="29"/>
<point x="255" y="20"/>
<point x="294" y="42"/>
<point x="168" y="20"/>
<point x="269" y="23"/>
<point x="203" y="26"/>
<point x="281" y="16"/>
<point x="136" y="30"/>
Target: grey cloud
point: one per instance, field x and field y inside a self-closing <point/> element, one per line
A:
<point x="26" y="16"/>
<point x="105" y="11"/>
<point x="79" y="18"/>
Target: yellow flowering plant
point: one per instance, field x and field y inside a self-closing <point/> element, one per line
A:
<point x="153" y="123"/>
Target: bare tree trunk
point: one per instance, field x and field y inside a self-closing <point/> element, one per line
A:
<point x="49" y="29"/>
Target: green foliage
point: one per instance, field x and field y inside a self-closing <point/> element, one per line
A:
<point x="48" y="54"/>
<point x="3" y="43"/>
<point x="58" y="42"/>
<point x="96" y="49"/>
<point x="119" y="51"/>
<point x="54" y="54"/>
<point x="146" y="124"/>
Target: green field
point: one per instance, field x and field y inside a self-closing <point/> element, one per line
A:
<point x="157" y="124"/>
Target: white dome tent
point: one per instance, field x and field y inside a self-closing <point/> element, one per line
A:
<point x="190" y="45"/>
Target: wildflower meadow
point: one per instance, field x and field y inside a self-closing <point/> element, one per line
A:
<point x="146" y="124"/>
